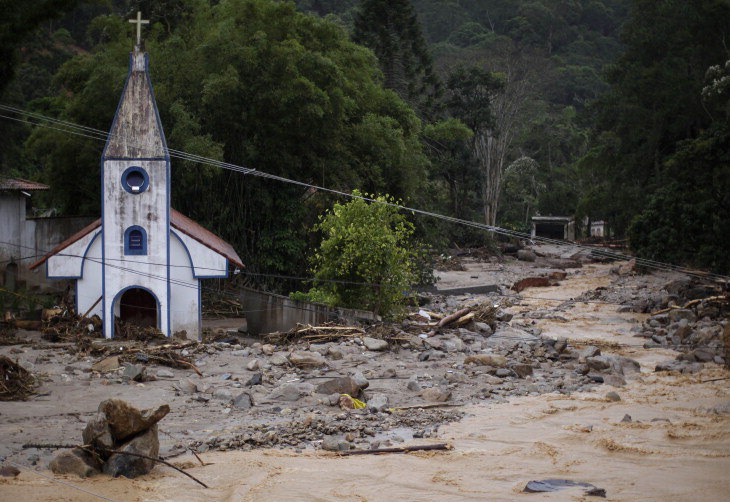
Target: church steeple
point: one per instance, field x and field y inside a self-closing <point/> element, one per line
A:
<point x="136" y="132"/>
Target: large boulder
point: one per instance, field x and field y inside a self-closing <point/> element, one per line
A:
<point x="98" y="433"/>
<point x="75" y="461"/>
<point x="125" y="420"/>
<point x="130" y="466"/>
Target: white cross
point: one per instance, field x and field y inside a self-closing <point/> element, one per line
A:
<point x="139" y="22"/>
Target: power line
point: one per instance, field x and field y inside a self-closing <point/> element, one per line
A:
<point x="88" y="132"/>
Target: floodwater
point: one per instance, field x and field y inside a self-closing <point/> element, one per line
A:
<point x="673" y="449"/>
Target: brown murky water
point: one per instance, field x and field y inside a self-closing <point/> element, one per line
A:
<point x="673" y="450"/>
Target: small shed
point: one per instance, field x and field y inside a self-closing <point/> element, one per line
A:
<point x="554" y="227"/>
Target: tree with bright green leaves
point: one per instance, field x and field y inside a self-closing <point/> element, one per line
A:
<point x="253" y="83"/>
<point x="391" y="30"/>
<point x="367" y="258"/>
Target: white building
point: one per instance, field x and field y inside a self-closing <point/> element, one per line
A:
<point x="142" y="261"/>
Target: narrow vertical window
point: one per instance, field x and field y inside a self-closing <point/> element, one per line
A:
<point x="135" y="241"/>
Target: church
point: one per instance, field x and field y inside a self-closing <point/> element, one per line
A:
<point x="142" y="262"/>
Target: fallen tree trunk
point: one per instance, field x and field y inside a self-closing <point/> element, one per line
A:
<point x="404" y="449"/>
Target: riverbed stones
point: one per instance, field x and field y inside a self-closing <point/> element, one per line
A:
<point x="378" y="402"/>
<point x="304" y="359"/>
<point x="494" y="360"/>
<point x="341" y="385"/>
<point x="435" y="395"/>
<point x="374" y="344"/>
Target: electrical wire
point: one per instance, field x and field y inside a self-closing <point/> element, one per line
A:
<point x="88" y="132"/>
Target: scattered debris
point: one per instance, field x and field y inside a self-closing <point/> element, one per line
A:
<point x="404" y="449"/>
<point x="554" y="485"/>
<point x="16" y="383"/>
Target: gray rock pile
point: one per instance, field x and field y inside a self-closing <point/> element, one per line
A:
<point x="116" y="442"/>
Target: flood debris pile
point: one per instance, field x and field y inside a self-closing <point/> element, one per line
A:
<point x="65" y="325"/>
<point x="16" y="383"/>
<point x="119" y="440"/>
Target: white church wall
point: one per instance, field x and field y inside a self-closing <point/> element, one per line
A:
<point x="88" y="287"/>
<point x="68" y="263"/>
<point x="184" y="290"/>
<point x="206" y="262"/>
<point x="149" y="210"/>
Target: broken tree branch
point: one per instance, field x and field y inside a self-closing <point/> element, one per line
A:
<point x="404" y="449"/>
<point x="449" y="319"/>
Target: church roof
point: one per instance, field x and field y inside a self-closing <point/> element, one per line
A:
<point x="136" y="132"/>
<point x="21" y="184"/>
<point x="178" y="221"/>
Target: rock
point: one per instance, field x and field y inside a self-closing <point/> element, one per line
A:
<point x="623" y="365"/>
<point x="522" y="370"/>
<point x="494" y="360"/>
<point x="677" y="314"/>
<point x="598" y="363"/>
<point x="278" y="360"/>
<point x="628" y="267"/>
<point x="125" y="420"/>
<point x="374" y="344"/>
<point x="503" y="372"/>
<point x="163" y="373"/>
<point x="75" y="461"/>
<point x="304" y="359"/>
<point x="378" y="402"/>
<point x="330" y="443"/>
<point x="98" y="433"/>
<point x="335" y="353"/>
<point x="413" y="386"/>
<point x="434" y="395"/>
<point x="526" y="255"/>
<point x="342" y="385"/>
<point x="626" y="419"/>
<point x="106" y="365"/>
<point x="186" y="386"/>
<point x="292" y="391"/>
<point x="433" y="343"/>
<point x="590" y="351"/>
<point x="360" y="380"/>
<point x="134" y="372"/>
<point x="253" y="365"/>
<point x="704" y="355"/>
<point x="267" y="349"/>
<point x="484" y="328"/>
<point x="255" y="379"/>
<point x="561" y="344"/>
<point x="613" y="396"/>
<point x="508" y="337"/>
<point x="614" y="380"/>
<point x="223" y="394"/>
<point x="243" y="401"/>
<point x="131" y="467"/>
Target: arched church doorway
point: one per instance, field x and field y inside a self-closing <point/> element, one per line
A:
<point x="139" y="307"/>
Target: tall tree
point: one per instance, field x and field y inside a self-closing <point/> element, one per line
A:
<point x="391" y="30"/>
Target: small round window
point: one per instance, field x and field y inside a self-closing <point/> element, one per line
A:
<point x="135" y="180"/>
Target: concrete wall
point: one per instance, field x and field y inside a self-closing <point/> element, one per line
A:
<point x="266" y="312"/>
<point x="23" y="241"/>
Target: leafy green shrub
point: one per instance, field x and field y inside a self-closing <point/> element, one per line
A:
<point x="368" y="253"/>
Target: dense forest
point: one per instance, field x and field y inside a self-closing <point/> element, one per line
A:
<point x="485" y="110"/>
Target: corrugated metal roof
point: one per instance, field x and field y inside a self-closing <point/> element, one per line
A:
<point x="178" y="221"/>
<point x="21" y="184"/>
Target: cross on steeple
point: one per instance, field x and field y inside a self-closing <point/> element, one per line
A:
<point x="139" y="22"/>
